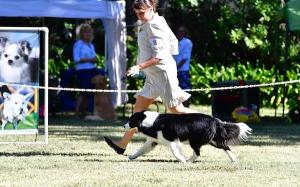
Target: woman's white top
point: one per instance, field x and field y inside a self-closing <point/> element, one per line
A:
<point x="156" y="39"/>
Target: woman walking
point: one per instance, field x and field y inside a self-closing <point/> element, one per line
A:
<point x="157" y="44"/>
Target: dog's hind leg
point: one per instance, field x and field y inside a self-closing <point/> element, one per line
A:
<point x="226" y="148"/>
<point x="177" y="151"/>
<point x="146" y="148"/>
<point x="232" y="157"/>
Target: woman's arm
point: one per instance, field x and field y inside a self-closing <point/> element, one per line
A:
<point x="78" y="46"/>
<point x="181" y="63"/>
<point x="134" y="70"/>
<point x="151" y="62"/>
<point x="88" y="60"/>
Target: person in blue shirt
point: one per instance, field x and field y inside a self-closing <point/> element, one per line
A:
<point x="85" y="58"/>
<point x="183" y="58"/>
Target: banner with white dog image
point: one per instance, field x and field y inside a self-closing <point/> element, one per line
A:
<point x="19" y="70"/>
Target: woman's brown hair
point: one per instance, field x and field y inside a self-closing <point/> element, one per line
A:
<point x="138" y="4"/>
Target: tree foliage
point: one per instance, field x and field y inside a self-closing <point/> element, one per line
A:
<point x="230" y="34"/>
<point x="235" y="31"/>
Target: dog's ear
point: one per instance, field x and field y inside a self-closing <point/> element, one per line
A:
<point x="136" y="119"/>
<point x="6" y="95"/>
<point x="25" y="49"/>
<point x="140" y="117"/>
<point x="25" y="46"/>
<point x="3" y="40"/>
<point x="100" y="81"/>
<point x="23" y="54"/>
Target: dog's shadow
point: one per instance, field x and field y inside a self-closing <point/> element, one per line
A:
<point x="154" y="160"/>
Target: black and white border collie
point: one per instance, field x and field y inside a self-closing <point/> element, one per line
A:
<point x="197" y="129"/>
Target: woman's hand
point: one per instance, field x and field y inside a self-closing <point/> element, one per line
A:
<point x="133" y="71"/>
<point x="94" y="60"/>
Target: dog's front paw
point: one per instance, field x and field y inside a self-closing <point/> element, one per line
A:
<point x="235" y="161"/>
<point x="191" y="159"/>
<point x="131" y="157"/>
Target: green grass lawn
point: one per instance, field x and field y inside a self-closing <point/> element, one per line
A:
<point x="77" y="156"/>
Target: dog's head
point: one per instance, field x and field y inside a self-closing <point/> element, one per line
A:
<point x="99" y="81"/>
<point x="15" y="104"/>
<point x="140" y="120"/>
<point x="14" y="56"/>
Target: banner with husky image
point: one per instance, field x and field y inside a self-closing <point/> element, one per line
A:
<point x="19" y="72"/>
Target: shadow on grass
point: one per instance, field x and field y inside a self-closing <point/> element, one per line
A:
<point x="274" y="131"/>
<point x="37" y="153"/>
<point x="270" y="131"/>
<point x="81" y="122"/>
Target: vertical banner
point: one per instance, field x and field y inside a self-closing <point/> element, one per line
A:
<point x="19" y="81"/>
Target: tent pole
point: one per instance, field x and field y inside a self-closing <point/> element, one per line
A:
<point x="276" y="55"/>
<point x="286" y="60"/>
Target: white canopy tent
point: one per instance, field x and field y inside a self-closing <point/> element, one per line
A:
<point x="112" y="14"/>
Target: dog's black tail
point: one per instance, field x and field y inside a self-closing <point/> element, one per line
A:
<point x="231" y="133"/>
